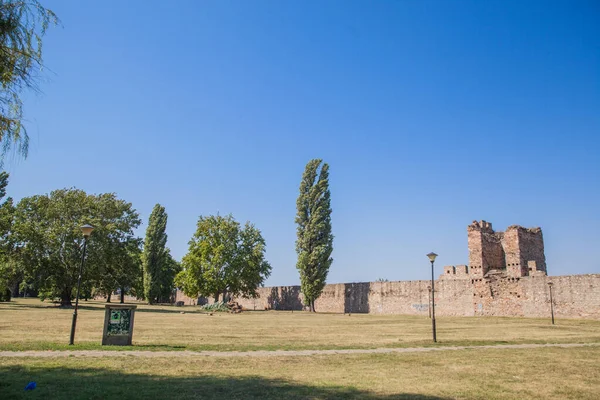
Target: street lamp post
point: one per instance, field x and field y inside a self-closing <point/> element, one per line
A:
<point x="551" y="302"/>
<point x="87" y="231"/>
<point x="429" y="300"/>
<point x="432" y="257"/>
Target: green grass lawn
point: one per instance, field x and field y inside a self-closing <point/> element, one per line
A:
<point x="537" y="373"/>
<point x="542" y="373"/>
<point x="28" y="324"/>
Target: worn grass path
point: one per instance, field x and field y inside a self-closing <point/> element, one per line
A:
<point x="273" y="353"/>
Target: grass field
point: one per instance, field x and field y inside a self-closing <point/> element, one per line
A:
<point x="540" y="373"/>
<point x="28" y="324"/>
<point x="548" y="373"/>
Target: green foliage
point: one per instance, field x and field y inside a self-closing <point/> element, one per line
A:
<point x="315" y="240"/>
<point x="224" y="257"/>
<point x="5" y="294"/>
<point x="122" y="269"/>
<point x="158" y="265"/>
<point x="23" y="23"/>
<point x="48" y="241"/>
<point x="219" y="306"/>
<point x="9" y="271"/>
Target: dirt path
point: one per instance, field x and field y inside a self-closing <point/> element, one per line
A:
<point x="269" y="353"/>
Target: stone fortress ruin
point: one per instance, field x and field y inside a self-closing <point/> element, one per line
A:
<point x="515" y="253"/>
<point x="506" y="276"/>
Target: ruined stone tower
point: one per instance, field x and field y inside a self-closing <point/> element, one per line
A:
<point x="518" y="250"/>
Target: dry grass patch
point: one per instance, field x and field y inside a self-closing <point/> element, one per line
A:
<point x="31" y="324"/>
<point x="543" y="373"/>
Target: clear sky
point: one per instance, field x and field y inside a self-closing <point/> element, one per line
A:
<point x="430" y="113"/>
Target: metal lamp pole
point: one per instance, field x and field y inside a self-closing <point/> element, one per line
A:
<point x="551" y="302"/>
<point x="87" y="231"/>
<point x="432" y="257"/>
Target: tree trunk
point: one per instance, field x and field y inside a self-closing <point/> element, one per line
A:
<point x="312" y="306"/>
<point x="108" y="297"/>
<point x="65" y="297"/>
<point x="217" y="297"/>
<point x="122" y="295"/>
<point x="15" y="289"/>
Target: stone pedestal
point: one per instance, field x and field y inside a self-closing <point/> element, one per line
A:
<point x="118" y="324"/>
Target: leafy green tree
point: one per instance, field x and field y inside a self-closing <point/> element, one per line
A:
<point x="224" y="258"/>
<point x="159" y="266"/>
<point x="23" y="23"/>
<point x="172" y="268"/>
<point x="9" y="269"/>
<point x="48" y="241"/>
<point x="315" y="240"/>
<point x="122" y="270"/>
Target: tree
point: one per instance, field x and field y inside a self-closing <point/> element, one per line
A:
<point x="159" y="267"/>
<point x="48" y="241"/>
<point x="9" y="270"/>
<point x="224" y="258"/>
<point x="315" y="240"/>
<point x="122" y="270"/>
<point x="23" y="23"/>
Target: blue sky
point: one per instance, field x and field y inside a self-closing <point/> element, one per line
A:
<point x="430" y="113"/>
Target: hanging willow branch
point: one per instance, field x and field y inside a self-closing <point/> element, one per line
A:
<point x="22" y="26"/>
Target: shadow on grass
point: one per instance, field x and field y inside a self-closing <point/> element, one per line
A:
<point x="175" y="310"/>
<point x="52" y="306"/>
<point x="99" y="383"/>
<point x="100" y="307"/>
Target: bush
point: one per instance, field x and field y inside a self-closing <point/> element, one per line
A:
<point x="5" y="294"/>
<point x="218" y="306"/>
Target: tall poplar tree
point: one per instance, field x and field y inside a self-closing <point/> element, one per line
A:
<point x="315" y="240"/>
<point x="155" y="256"/>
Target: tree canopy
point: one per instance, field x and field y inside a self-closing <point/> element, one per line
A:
<point x="9" y="272"/>
<point x="48" y="241"/>
<point x="23" y="24"/>
<point x="315" y="239"/>
<point x="122" y="270"/>
<point x="224" y="258"/>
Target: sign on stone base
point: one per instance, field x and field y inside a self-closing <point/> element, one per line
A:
<point x="118" y="324"/>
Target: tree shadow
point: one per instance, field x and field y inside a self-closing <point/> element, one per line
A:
<point x="285" y="298"/>
<point x="178" y="310"/>
<point x="100" y="383"/>
<point x="52" y="306"/>
<point x="202" y="301"/>
<point x="357" y="297"/>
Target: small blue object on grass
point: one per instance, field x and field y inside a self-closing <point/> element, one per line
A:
<point x="30" y="386"/>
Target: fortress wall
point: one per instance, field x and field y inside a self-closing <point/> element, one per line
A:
<point x="506" y="277"/>
<point x="575" y="296"/>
